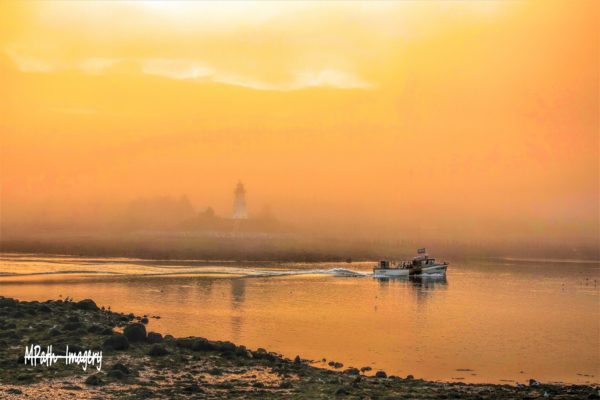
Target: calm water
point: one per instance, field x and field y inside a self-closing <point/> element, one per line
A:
<point x="484" y="322"/>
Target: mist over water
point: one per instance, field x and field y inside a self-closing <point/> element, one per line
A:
<point x="483" y="322"/>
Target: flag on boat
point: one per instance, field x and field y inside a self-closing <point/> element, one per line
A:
<point x="421" y="250"/>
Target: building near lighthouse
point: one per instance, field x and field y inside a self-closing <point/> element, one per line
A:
<point x="239" y="202"/>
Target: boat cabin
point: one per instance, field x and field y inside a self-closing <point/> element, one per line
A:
<point x="383" y="264"/>
<point x="422" y="261"/>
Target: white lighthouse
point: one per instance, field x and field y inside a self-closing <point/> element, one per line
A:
<point x="239" y="202"/>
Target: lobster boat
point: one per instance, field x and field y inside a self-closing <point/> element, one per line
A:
<point x="422" y="264"/>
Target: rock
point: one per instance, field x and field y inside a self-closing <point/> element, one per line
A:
<point x="13" y="391"/>
<point x="87" y="304"/>
<point x="71" y="387"/>
<point x="409" y="377"/>
<point x="201" y="344"/>
<point x="533" y="382"/>
<point x="120" y="367"/>
<point x="117" y="342"/>
<point x="44" y="308"/>
<point x="144" y="320"/>
<point x="297" y="360"/>
<point x="285" y="385"/>
<point x="337" y="365"/>
<point x="117" y="374"/>
<point x="135" y="332"/>
<point x="224" y="346"/>
<point x="93" y="380"/>
<point x="193" y="388"/>
<point x="241" y="351"/>
<point x="352" y="371"/>
<point x="365" y="369"/>
<point x="73" y="318"/>
<point x="380" y="374"/>
<point x="107" y="331"/>
<point x="342" y="392"/>
<point x="96" y="328"/>
<point x="54" y="332"/>
<point x="185" y="343"/>
<point x="158" y="350"/>
<point x="72" y="326"/>
<point x="8" y="303"/>
<point x="24" y="377"/>
<point x="154" y="337"/>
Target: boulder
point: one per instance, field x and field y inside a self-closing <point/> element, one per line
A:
<point x="135" y="332"/>
<point x="93" y="380"/>
<point x="225" y="346"/>
<point x="120" y="367"/>
<point x="72" y="326"/>
<point x="297" y="360"/>
<point x="352" y="371"/>
<point x="87" y="304"/>
<point x="117" y="342"/>
<point x="116" y="374"/>
<point x="6" y="302"/>
<point x="154" y="337"/>
<point x="185" y="343"/>
<point x="201" y="344"/>
<point x="380" y="374"/>
<point x="158" y="350"/>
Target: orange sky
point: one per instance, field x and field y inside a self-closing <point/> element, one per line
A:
<point x="374" y="113"/>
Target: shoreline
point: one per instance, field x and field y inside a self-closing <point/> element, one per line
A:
<point x="141" y="364"/>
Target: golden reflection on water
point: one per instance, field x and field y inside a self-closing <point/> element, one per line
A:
<point x="483" y="323"/>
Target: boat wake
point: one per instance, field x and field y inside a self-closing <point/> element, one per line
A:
<point x="12" y="268"/>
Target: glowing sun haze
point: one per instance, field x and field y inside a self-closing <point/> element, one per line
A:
<point x="461" y="118"/>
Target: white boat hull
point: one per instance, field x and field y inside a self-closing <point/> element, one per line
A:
<point x="393" y="272"/>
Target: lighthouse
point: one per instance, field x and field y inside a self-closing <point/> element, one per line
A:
<point x="239" y="202"/>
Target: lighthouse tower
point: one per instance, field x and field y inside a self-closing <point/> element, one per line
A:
<point x="239" y="202"/>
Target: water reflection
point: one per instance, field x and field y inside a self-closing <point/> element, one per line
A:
<point x="238" y="295"/>
<point x="422" y="286"/>
<point x="420" y="281"/>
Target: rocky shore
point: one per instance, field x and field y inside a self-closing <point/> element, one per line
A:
<point x="145" y="365"/>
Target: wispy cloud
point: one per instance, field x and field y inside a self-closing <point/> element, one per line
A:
<point x="202" y="72"/>
<point x="196" y="71"/>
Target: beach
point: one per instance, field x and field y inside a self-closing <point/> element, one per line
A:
<point x="141" y="364"/>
